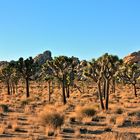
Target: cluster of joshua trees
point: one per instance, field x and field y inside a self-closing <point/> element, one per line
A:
<point x="105" y="72"/>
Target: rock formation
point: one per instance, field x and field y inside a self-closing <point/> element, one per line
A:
<point x="132" y="58"/>
<point x="2" y="63"/>
<point x="42" y="58"/>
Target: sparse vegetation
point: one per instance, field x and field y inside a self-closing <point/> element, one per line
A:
<point x="69" y="98"/>
<point x="3" y="108"/>
<point x="119" y="136"/>
<point x="85" y="112"/>
<point x="51" y="118"/>
<point x="119" y="111"/>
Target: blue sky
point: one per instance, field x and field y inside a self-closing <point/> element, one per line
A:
<point x="82" y="28"/>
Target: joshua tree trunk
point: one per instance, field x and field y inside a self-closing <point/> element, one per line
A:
<point x="16" y="88"/>
<point x="8" y="88"/>
<point x="68" y="91"/>
<point x="27" y="88"/>
<point x="100" y="95"/>
<point x="107" y="94"/>
<point x="53" y="86"/>
<point x="135" y="90"/>
<point x="113" y="85"/>
<point x="63" y="90"/>
<point x="13" y="88"/>
<point x="104" y="88"/>
<point x="78" y="88"/>
<point x="83" y="87"/>
<point x="49" y="90"/>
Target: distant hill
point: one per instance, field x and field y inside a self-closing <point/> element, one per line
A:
<point x="47" y="55"/>
<point x="132" y="58"/>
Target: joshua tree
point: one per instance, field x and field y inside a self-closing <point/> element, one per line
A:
<point x="27" y="69"/>
<point x="129" y="73"/>
<point x="71" y="74"/>
<point x="5" y="76"/>
<point x="93" y="71"/>
<point x="102" y="71"/>
<point x="110" y="65"/>
<point x="8" y="75"/>
<point x="15" y="77"/>
<point x="61" y="67"/>
<point x="116" y="63"/>
<point x="47" y="75"/>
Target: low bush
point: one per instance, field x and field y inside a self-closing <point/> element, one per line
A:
<point x="119" y="111"/>
<point x="85" y="112"/>
<point x="51" y="118"/>
<point x="3" y="108"/>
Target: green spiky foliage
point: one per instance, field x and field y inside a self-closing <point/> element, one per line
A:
<point x="59" y="67"/>
<point x="129" y="73"/>
<point x="71" y="74"/>
<point x="15" y="77"/>
<point x="102" y="71"/>
<point x="27" y="69"/>
<point x="47" y="75"/>
<point x="5" y="76"/>
<point x="9" y="76"/>
<point x="63" y="69"/>
<point x="93" y="71"/>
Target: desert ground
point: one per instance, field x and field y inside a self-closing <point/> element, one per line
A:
<point x="21" y="118"/>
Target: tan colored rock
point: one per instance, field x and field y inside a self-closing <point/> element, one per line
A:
<point x="132" y="58"/>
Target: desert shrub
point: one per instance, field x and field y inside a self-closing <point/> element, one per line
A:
<point x="88" y="112"/>
<point x="25" y="102"/>
<point x="107" y="129"/>
<point x="9" y="125"/>
<point x="4" y="108"/>
<point x="15" y="126"/>
<point x="51" y="119"/>
<point x="50" y="133"/>
<point x="119" y="136"/>
<point x="111" y="120"/>
<point x="85" y="111"/>
<point x="120" y="121"/>
<point x="136" y="114"/>
<point x="77" y="133"/>
<point x="2" y="129"/>
<point x="98" y="118"/>
<point x="71" y="119"/>
<point x="119" y="111"/>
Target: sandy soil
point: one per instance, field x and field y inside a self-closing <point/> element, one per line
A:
<point x="21" y="120"/>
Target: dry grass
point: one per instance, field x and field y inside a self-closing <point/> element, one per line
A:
<point x="93" y="123"/>
<point x="3" y="108"/>
<point x="119" y="111"/>
<point x="85" y="112"/>
<point x="72" y="117"/>
<point x="15" y="126"/>
<point x="2" y="129"/>
<point x="77" y="133"/>
<point x="119" y="136"/>
<point x="111" y="120"/>
<point x="51" y="118"/>
<point x="120" y="121"/>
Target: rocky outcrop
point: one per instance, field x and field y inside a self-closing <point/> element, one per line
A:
<point x="2" y="63"/>
<point x="132" y="58"/>
<point x="42" y="58"/>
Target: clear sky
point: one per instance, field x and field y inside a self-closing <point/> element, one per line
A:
<point x="82" y="28"/>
